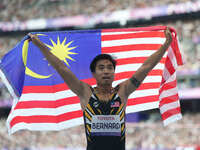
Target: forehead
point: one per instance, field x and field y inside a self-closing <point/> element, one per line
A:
<point x="104" y="62"/>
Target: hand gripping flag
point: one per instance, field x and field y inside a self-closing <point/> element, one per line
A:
<point x="42" y="101"/>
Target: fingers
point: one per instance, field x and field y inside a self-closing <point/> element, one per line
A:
<point x="168" y="35"/>
<point x="29" y="34"/>
<point x="32" y="37"/>
<point x="29" y="37"/>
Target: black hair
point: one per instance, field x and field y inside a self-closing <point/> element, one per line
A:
<point x="101" y="57"/>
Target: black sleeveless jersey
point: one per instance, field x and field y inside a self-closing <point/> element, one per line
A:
<point x="105" y="124"/>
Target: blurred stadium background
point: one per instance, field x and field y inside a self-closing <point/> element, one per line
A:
<point x="144" y="129"/>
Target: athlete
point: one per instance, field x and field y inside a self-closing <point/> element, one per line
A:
<point x="104" y="106"/>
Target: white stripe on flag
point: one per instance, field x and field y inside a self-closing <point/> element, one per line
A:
<point x="169" y="92"/>
<point x="134" y="67"/>
<point x="148" y="79"/>
<point x="46" y="111"/>
<point x="123" y="32"/>
<point x="48" y="126"/>
<point x="152" y="79"/>
<point x="143" y="93"/>
<point x="142" y="107"/>
<point x="166" y="74"/>
<point x="169" y="106"/>
<point x="130" y="54"/>
<point x="172" y="118"/>
<point x="47" y="96"/>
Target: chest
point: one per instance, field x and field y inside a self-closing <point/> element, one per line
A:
<point x="105" y="107"/>
<point x="104" y="97"/>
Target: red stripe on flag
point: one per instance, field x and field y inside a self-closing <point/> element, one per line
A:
<point x="124" y="48"/>
<point x="132" y="35"/>
<point x="169" y="66"/>
<point x="171" y="113"/>
<point x="167" y="86"/>
<point x="145" y="86"/>
<point x="47" y="104"/>
<point x="141" y="100"/>
<point x="46" y="118"/>
<point x="45" y="89"/>
<point x="176" y="51"/>
<point x="169" y="99"/>
<point x="90" y="81"/>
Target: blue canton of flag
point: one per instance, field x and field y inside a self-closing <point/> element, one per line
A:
<point x="74" y="48"/>
<point x="36" y="84"/>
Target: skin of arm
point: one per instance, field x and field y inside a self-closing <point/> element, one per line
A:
<point x="81" y="89"/>
<point x="127" y="87"/>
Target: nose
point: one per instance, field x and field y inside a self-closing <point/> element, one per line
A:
<point x="106" y="70"/>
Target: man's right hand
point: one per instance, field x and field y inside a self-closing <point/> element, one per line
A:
<point x="34" y="38"/>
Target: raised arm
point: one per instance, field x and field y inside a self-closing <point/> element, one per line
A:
<point x="78" y="87"/>
<point x="133" y="83"/>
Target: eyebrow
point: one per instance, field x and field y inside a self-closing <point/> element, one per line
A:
<point x="101" y="65"/>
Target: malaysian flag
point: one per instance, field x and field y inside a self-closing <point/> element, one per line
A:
<point x="42" y="101"/>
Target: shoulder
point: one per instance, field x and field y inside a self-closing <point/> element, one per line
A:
<point x="116" y="89"/>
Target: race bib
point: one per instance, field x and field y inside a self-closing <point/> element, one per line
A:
<point x="106" y="125"/>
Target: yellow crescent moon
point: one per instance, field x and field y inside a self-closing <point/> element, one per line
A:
<point x="27" y="70"/>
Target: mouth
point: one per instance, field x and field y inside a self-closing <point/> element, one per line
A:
<point x="106" y="78"/>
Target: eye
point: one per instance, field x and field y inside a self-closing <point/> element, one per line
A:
<point x="110" y="67"/>
<point x="101" y="67"/>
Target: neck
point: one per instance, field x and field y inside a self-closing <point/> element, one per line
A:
<point x="105" y="89"/>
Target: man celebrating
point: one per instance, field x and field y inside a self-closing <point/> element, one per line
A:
<point x="104" y="106"/>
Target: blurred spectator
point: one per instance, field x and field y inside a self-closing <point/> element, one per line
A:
<point x="22" y="10"/>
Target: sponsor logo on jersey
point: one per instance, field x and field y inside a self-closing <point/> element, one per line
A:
<point x="106" y="125"/>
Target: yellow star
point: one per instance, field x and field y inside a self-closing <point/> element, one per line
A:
<point x="62" y="50"/>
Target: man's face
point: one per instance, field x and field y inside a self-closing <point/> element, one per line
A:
<point x="104" y="72"/>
